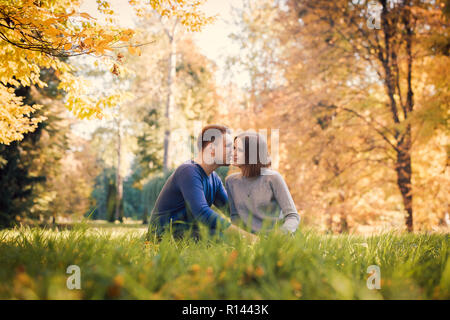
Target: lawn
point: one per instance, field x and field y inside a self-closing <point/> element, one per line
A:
<point x="118" y="263"/>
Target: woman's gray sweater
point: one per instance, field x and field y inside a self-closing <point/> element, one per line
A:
<point x="261" y="201"/>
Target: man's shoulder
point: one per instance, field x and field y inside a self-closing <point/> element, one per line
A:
<point x="186" y="164"/>
<point x="186" y="167"/>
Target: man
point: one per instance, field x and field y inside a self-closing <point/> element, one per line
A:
<point x="187" y="196"/>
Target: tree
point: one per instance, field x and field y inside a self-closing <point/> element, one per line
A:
<point x="171" y="32"/>
<point x="354" y="103"/>
<point x="16" y="184"/>
<point x="118" y="215"/>
<point x="28" y="167"/>
<point x="391" y="53"/>
<point x="112" y="142"/>
<point x="36" y="33"/>
<point x="73" y="184"/>
<point x="195" y="99"/>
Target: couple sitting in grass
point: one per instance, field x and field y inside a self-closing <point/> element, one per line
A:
<point x="258" y="198"/>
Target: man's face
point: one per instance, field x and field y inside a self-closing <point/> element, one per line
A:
<point x="227" y="151"/>
<point x="219" y="152"/>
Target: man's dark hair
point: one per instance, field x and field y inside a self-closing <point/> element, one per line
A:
<point x="209" y="134"/>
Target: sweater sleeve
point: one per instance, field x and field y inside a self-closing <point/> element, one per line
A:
<point x="191" y="188"/>
<point x="284" y="199"/>
<point x="221" y="196"/>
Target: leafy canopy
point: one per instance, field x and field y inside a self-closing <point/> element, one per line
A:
<point x="36" y="34"/>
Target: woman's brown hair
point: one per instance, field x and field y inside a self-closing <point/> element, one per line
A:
<point x="252" y="165"/>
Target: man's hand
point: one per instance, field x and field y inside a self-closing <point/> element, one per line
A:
<point x="247" y="235"/>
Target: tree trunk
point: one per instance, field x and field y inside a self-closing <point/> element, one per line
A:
<point x="392" y="85"/>
<point x="170" y="95"/>
<point x="403" y="165"/>
<point x="404" y="174"/>
<point x="111" y="200"/>
<point x="343" y="223"/>
<point x="145" y="218"/>
<point x="145" y="215"/>
<point x="329" y="219"/>
<point x="119" y="189"/>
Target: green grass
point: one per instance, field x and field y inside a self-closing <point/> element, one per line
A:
<point x="117" y="263"/>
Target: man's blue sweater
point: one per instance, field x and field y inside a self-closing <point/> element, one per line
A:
<point x="186" y="198"/>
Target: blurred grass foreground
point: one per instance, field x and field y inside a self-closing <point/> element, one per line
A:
<point x="118" y="263"/>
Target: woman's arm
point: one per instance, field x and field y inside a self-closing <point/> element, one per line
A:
<point x="235" y="218"/>
<point x="287" y="205"/>
<point x="233" y="212"/>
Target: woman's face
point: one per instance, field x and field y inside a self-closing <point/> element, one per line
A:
<point x="238" y="152"/>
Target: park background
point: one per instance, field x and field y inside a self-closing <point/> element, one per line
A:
<point x="99" y="99"/>
<point x="362" y="112"/>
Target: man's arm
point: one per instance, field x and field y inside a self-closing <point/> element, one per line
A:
<point x="192" y="190"/>
<point x="221" y="197"/>
<point x="235" y="230"/>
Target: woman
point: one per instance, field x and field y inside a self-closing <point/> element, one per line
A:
<point x="258" y="196"/>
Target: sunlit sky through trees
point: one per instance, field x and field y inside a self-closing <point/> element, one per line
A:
<point x="213" y="41"/>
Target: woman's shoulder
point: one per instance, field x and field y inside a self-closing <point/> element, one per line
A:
<point x="271" y="173"/>
<point x="273" y="176"/>
<point x="233" y="177"/>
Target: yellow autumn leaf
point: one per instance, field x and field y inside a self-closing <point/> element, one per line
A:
<point x="86" y="15"/>
<point x="132" y="50"/>
<point x="21" y="61"/>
